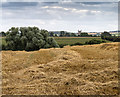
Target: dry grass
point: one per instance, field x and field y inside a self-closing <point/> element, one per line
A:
<point x="77" y="70"/>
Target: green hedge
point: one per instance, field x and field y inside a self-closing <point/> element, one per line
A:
<point x="93" y="41"/>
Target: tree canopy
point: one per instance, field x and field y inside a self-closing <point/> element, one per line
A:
<point x="3" y="34"/>
<point x="29" y="39"/>
<point x="105" y="34"/>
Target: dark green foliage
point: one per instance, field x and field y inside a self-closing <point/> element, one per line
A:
<point x="51" y="34"/>
<point x="62" y="45"/>
<point x="3" y="34"/>
<point x="112" y="38"/>
<point x="94" y="41"/>
<point x="3" y="47"/>
<point x="73" y="35"/>
<point x="84" y="35"/>
<point x="67" y="34"/>
<point x="116" y="39"/>
<point x="29" y="39"/>
<point x="77" y="43"/>
<point x="62" y="33"/>
<point x="105" y="34"/>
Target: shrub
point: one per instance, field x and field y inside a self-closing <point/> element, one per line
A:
<point x="105" y="34"/>
<point x="77" y="43"/>
<point x="62" y="45"/>
<point x="94" y="41"/>
<point x="113" y="38"/>
<point x="3" y="47"/>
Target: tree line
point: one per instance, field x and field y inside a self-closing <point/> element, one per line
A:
<point x="67" y="34"/>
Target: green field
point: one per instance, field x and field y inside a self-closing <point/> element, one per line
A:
<point x="3" y="40"/>
<point x="72" y="40"/>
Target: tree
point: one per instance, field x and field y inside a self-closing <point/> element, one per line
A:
<point x="3" y="34"/>
<point x="84" y="34"/>
<point x="67" y="34"/>
<point x="62" y="33"/>
<point x="73" y="34"/>
<point x="55" y="35"/>
<point x="105" y="34"/>
<point x="51" y="34"/>
<point x="29" y="39"/>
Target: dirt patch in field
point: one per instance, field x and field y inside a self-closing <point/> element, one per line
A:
<point x="76" y="70"/>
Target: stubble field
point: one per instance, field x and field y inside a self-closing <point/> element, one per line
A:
<point x="72" y="70"/>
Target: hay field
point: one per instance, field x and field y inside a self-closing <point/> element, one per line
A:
<point x="72" y="70"/>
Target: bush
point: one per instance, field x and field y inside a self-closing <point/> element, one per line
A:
<point x="94" y="41"/>
<point x="105" y="34"/>
<point x="77" y="43"/>
<point x="29" y="39"/>
<point x="117" y="39"/>
<point x="112" y="38"/>
<point x="3" y="47"/>
<point x="62" y="45"/>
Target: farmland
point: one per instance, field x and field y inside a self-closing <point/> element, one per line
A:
<point x="72" y="40"/>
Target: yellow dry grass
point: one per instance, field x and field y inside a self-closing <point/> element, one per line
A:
<point x="76" y="70"/>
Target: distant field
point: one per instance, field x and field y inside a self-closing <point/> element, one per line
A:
<point x="72" y="40"/>
<point x="3" y="40"/>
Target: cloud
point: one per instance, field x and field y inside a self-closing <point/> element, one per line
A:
<point x="64" y="1"/>
<point x="13" y="5"/>
<point x="73" y="10"/>
<point x="61" y="16"/>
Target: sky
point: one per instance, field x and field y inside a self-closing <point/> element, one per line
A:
<point x="64" y="15"/>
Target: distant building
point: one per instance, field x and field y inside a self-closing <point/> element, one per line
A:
<point x="94" y="33"/>
<point x="79" y="32"/>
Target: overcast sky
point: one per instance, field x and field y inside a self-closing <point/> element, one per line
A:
<point x="57" y="16"/>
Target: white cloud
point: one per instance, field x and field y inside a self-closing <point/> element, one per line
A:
<point x="66" y="8"/>
<point x="53" y="7"/>
<point x="96" y="12"/>
<point x="74" y="10"/>
<point x="66" y="0"/>
<point x="44" y="7"/>
<point x="80" y="11"/>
